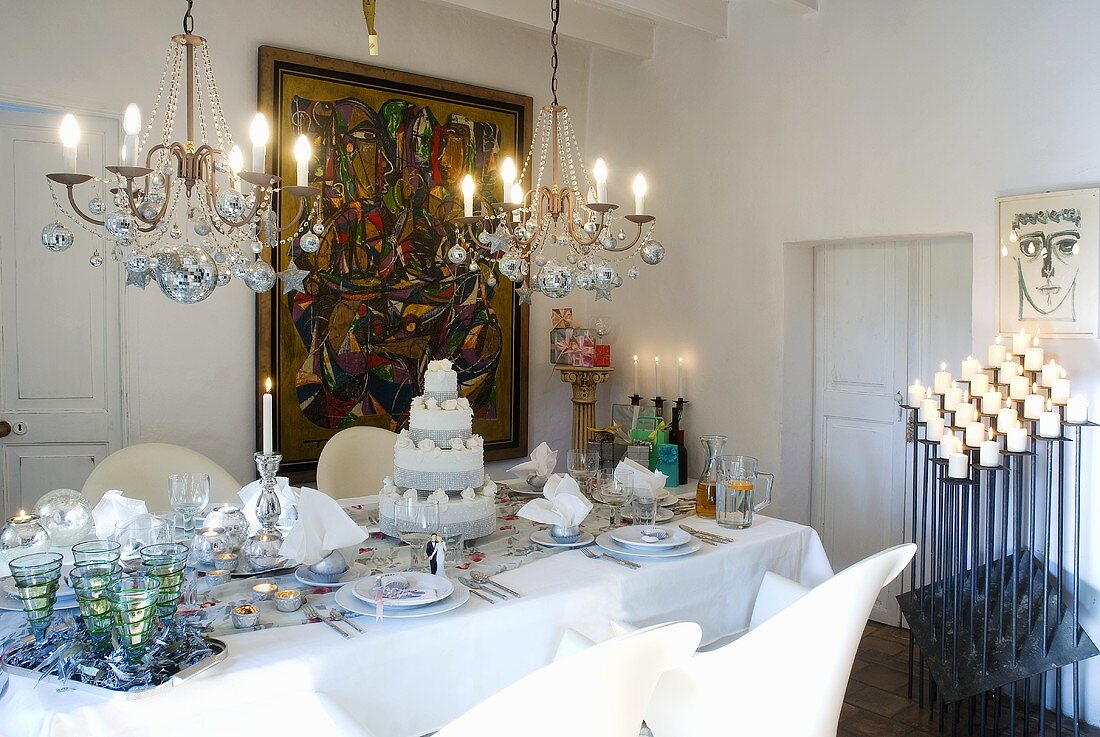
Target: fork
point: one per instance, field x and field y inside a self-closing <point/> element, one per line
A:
<point x="596" y="556"/>
<point x="313" y="614"/>
<point x="476" y="587"/>
<point x="482" y="578"/>
<point x="339" y="616"/>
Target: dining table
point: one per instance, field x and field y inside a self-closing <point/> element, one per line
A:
<point x="410" y="676"/>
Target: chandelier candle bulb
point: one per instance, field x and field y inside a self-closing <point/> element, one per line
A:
<point x="236" y="163"/>
<point x="989" y="452"/>
<point x="131" y="126"/>
<point x="507" y="177"/>
<point x="468" y="196"/>
<point x="599" y="173"/>
<point x="1050" y="423"/>
<point x="639" y="194"/>
<point x="1020" y="342"/>
<point x="953" y="397"/>
<point x="934" y="427"/>
<point x="975" y="434"/>
<point x="979" y="384"/>
<point x="916" y="393"/>
<point x="259" y="133"/>
<point x="1059" y="389"/>
<point x="970" y="367"/>
<point x="1006" y="420"/>
<point x="1033" y="357"/>
<point x="267" y="430"/>
<point x="302" y="154"/>
<point x="1033" y="406"/>
<point x="942" y="380"/>
<point x="997" y="353"/>
<point x="70" y="137"/>
<point x="1077" y="410"/>
<point x="1018" y="387"/>
<point x="1016" y="439"/>
<point x="991" y="402"/>
<point x="958" y="466"/>
<point x="516" y="199"/>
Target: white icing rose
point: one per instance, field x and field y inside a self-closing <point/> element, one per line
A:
<point x="439" y="496"/>
<point x="431" y="403"/>
<point x="450" y="404"/>
<point x="468" y="493"/>
<point x="417" y="403"/>
<point x="490" y="489"/>
<point x="426" y="444"/>
<point x="463" y="403"/>
<point x="456" y="444"/>
<point x="411" y="494"/>
<point x="404" y="441"/>
<point x="474" y="442"/>
<point x="388" y="488"/>
<point x="440" y="365"/>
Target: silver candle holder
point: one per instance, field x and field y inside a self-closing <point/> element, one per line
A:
<point x="268" y="507"/>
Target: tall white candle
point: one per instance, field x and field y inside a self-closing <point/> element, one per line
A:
<point x="996" y="354"/>
<point x="1033" y="356"/>
<point x="656" y="376"/>
<point x="989" y="452"/>
<point x="131" y="126"/>
<point x="70" y="137"/>
<point x="599" y="173"/>
<point x="933" y="430"/>
<point x="958" y="466"/>
<point x="1059" y="389"/>
<point x="303" y="152"/>
<point x="1051" y="371"/>
<point x="1033" y="406"/>
<point x="1018" y="387"/>
<point x="1020" y="342"/>
<point x="916" y="393"/>
<point x="680" y="377"/>
<point x="979" y="384"/>
<point x="259" y="132"/>
<point x="468" y="196"/>
<point x="637" y="388"/>
<point x="953" y="397"/>
<point x="1016" y="439"/>
<point x="639" y="195"/>
<point x="929" y="407"/>
<point x="267" y="426"/>
<point x="942" y="380"/>
<point x="970" y="366"/>
<point x="974" y="434"/>
<point x="1077" y="409"/>
<point x="991" y="402"/>
<point x="1050" y="423"/>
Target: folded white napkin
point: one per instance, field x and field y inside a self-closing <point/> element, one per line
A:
<point x="288" y="499"/>
<point x="639" y="476"/>
<point x="563" y="504"/>
<point x="542" y="462"/>
<point x="322" y="526"/>
<point x="112" y="509"/>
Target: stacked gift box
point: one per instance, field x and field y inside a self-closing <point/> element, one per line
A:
<point x="571" y="345"/>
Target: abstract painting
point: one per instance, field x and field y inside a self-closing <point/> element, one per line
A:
<point x="1049" y="263"/>
<point x="361" y="309"/>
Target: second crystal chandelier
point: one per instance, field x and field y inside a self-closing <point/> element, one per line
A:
<point x="563" y="234"/>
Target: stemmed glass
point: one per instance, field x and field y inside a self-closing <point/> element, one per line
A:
<point x="415" y="521"/>
<point x="90" y="582"/>
<point x="133" y="598"/>
<point x="97" y="551"/>
<point x="188" y="493"/>
<point x="614" y="493"/>
<point x="37" y="577"/>
<point x="582" y="466"/>
<point x="165" y="562"/>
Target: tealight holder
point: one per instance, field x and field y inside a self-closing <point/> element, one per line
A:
<point x="262" y="551"/>
<point x="166" y="563"/>
<point x="217" y="577"/>
<point x="226" y="561"/>
<point x="563" y="534"/>
<point x="207" y="543"/>
<point x="245" y="616"/>
<point x="36" y="580"/>
<point x="264" y="591"/>
<point x="233" y="521"/>
<point x="22" y="535"/>
<point x="90" y="582"/>
<point x="288" y="600"/>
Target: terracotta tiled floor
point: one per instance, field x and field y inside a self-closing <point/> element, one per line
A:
<point x="876" y="705"/>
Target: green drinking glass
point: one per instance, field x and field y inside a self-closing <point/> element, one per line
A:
<point x="133" y="598"/>
<point x="166" y="562"/>
<point x="36" y="581"/>
<point x="97" y="551"/>
<point x="90" y="582"/>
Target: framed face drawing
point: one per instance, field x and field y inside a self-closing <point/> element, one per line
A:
<point x="1048" y="266"/>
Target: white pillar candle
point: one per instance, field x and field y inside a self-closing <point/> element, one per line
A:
<point x="1033" y="357"/>
<point x="1008" y="369"/>
<point x="996" y="354"/>
<point x="964" y="413"/>
<point x="933" y="430"/>
<point x="942" y="380"/>
<point x="303" y="152"/>
<point x="929" y="407"/>
<point x="637" y="388"/>
<point x="970" y="366"/>
<point x="916" y="393"/>
<point x="680" y="377"/>
<point x="974" y="434"/>
<point x="1051" y="371"/>
<point x="1077" y="409"/>
<point x="1020" y="342"/>
<point x="1006" y="419"/>
<point x="958" y="466"/>
<point x="1016" y="439"/>
<point x="1018" y="387"/>
<point x="258" y="132"/>
<point x="1050" y="423"/>
<point x="989" y="452"/>
<point x="1033" y="406"/>
<point x="991" y="402"/>
<point x="639" y="195"/>
<point x="1059" y="389"/>
<point x="656" y="376"/>
<point x="267" y="424"/>
<point x="70" y="137"/>
<point x="953" y="397"/>
<point x="949" y="444"/>
<point x="979" y="384"/>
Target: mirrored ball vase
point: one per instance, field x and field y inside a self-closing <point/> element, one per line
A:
<point x="67" y="515"/>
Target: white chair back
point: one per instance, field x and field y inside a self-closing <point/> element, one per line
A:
<point x="354" y="461"/>
<point x="788" y="675"/>
<point x="141" y="472"/>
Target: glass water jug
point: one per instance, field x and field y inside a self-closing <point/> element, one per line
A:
<point x="713" y="445"/>
<point x="737" y="497"/>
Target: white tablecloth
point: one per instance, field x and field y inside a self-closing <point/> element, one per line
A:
<point x="410" y="677"/>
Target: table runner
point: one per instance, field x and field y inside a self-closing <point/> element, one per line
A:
<point x="409" y="677"/>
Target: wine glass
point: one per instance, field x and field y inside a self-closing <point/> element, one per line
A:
<point x="415" y="521"/>
<point x="614" y="493"/>
<point x="582" y="466"/>
<point x="188" y="493"/>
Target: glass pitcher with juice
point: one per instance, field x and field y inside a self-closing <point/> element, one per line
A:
<point x="705" y="492"/>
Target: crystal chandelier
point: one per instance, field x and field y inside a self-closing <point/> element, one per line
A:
<point x="171" y="221"/>
<point x="563" y="234"/>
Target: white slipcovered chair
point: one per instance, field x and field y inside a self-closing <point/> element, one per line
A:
<point x="600" y="692"/>
<point x="788" y="674"/>
<point x="354" y="461"/>
<point x="141" y="472"/>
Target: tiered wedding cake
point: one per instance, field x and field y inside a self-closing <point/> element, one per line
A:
<point x="439" y="457"/>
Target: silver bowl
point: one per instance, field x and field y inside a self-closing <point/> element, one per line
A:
<point x="535" y="481"/>
<point x="566" y="535"/>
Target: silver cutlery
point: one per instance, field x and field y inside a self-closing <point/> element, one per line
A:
<point x="621" y="561"/>
<point x="700" y="534"/>
<point x="339" y="616"/>
<point x="476" y="587"/>
<point x="313" y="614"/>
<point x="480" y="595"/>
<point x="482" y="578"/>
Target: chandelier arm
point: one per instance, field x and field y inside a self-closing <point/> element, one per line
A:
<point x="633" y="242"/>
<point x="583" y="238"/>
<point x="78" y="211"/>
<point x="154" y="221"/>
<point x="296" y="222"/>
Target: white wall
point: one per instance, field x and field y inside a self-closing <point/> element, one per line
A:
<point x="192" y="368"/>
<point x="868" y="118"/>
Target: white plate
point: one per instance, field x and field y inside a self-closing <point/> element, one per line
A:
<point x="346" y="598"/>
<point x="663" y="515"/>
<point x="634" y="537"/>
<point x="605" y="542"/>
<point x="542" y="537"/>
<point x="306" y="576"/>
<point x="520" y="486"/>
<point x="442" y="585"/>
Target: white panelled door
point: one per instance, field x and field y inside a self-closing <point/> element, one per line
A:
<point x="60" y="337"/>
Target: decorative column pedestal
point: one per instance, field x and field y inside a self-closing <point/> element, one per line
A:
<point x="584" y="381"/>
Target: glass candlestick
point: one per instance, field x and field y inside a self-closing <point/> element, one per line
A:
<point x="268" y="508"/>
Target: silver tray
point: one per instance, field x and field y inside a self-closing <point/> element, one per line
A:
<point x="220" y="652"/>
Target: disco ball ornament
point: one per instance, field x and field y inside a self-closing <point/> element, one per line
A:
<point x="119" y="224"/>
<point x="186" y="274"/>
<point x="590" y="228"/>
<point x="209" y="246"/>
<point x="257" y="246"/>
<point x="176" y="231"/>
<point x="652" y="252"/>
<point x="260" y="277"/>
<point x="310" y="243"/>
<point x="96" y="207"/>
<point x="95" y="260"/>
<point x="149" y="211"/>
<point x="603" y="274"/>
<point x="617" y="281"/>
<point x="137" y="262"/>
<point x="167" y="170"/>
<point x="457" y="254"/>
<point x="224" y="275"/>
<point x="57" y="237"/>
<point x="510" y="266"/>
<point x="230" y="204"/>
<point x="318" y="228"/>
<point x="632" y="272"/>
<point x="119" y="199"/>
<point x="67" y="516"/>
<point x="155" y="196"/>
<point x="584" y="281"/>
<point x="540" y="261"/>
<point x="555" y="279"/>
<point x="202" y="228"/>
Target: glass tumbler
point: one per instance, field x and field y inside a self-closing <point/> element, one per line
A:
<point x="166" y="562"/>
<point x="37" y="577"/>
<point x="135" y="533"/>
<point x="97" y="551"/>
<point x="644" y="506"/>
<point x="133" y="598"/>
<point x="90" y="582"/>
